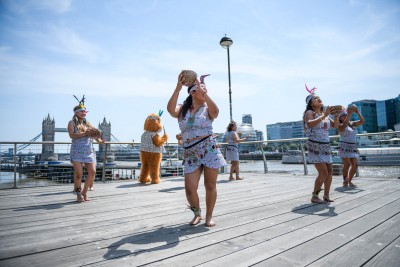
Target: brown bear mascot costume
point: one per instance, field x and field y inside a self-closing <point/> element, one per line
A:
<point x="151" y="149"/>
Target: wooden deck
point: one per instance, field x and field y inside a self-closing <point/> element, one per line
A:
<point x="264" y="220"/>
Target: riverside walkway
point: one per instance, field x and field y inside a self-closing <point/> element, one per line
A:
<point x="264" y="220"/>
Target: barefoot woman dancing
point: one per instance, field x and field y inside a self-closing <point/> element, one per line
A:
<point x="316" y="124"/>
<point x="82" y="151"/>
<point x="201" y="152"/>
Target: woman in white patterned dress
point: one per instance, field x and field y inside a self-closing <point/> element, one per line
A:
<point x="232" y="150"/>
<point x="348" y="151"/>
<point x="317" y="124"/>
<point x="201" y="151"/>
<point x="82" y="151"/>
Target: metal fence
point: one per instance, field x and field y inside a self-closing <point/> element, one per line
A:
<point x="23" y="163"/>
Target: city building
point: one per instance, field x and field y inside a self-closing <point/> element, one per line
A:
<point x="243" y="130"/>
<point x="285" y="130"/>
<point x="368" y="109"/>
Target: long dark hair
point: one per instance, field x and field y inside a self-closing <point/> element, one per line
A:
<point x="308" y="107"/>
<point x="230" y="126"/>
<point x="187" y="104"/>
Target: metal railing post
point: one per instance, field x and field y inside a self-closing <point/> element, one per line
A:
<point x="264" y="159"/>
<point x="304" y="158"/>
<point x="15" y="165"/>
<point x="103" y="175"/>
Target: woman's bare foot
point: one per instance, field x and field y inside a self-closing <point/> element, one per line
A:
<point x="196" y="220"/>
<point x="351" y="184"/>
<point x="210" y="222"/>
<point x="85" y="197"/>
<point x="239" y="178"/>
<point x="316" y="200"/>
<point x="231" y="178"/>
<point x="79" y="198"/>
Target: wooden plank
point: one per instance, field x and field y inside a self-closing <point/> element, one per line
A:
<point x="195" y="245"/>
<point x="268" y="247"/>
<point x="363" y="247"/>
<point x="114" y="225"/>
<point x="389" y="256"/>
<point x="362" y="237"/>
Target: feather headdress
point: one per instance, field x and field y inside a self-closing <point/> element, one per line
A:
<point x="311" y="95"/>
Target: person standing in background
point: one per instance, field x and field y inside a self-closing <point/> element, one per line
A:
<point x="348" y="151"/>
<point x="232" y="150"/>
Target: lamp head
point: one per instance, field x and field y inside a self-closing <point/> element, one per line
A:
<point x="226" y="42"/>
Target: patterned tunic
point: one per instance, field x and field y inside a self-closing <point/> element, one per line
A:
<point x="319" y="149"/>
<point x="347" y="143"/>
<point x="147" y="145"/>
<point x="198" y="152"/>
<point x="82" y="149"/>
<point x="232" y="150"/>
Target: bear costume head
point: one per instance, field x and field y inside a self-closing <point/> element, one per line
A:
<point x="153" y="123"/>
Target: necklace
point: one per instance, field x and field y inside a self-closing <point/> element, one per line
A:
<point x="192" y="116"/>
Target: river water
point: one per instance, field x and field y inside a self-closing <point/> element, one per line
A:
<point x="248" y="166"/>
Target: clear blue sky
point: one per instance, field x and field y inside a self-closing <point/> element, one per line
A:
<point x="125" y="57"/>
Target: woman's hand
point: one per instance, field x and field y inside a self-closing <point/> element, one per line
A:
<point x="181" y="80"/>
<point x="201" y="87"/>
<point x="84" y="132"/>
<point x="328" y="111"/>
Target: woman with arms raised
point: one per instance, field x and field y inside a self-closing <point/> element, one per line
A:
<point x="316" y="126"/>
<point x="201" y="151"/>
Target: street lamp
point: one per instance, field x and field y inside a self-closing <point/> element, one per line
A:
<point x="225" y="43"/>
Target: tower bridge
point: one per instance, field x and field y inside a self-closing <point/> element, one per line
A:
<point x="48" y="134"/>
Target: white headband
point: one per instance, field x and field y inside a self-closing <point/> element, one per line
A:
<point x="81" y="109"/>
<point x="308" y="98"/>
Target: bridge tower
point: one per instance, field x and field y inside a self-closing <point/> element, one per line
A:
<point x="105" y="128"/>
<point x="48" y="133"/>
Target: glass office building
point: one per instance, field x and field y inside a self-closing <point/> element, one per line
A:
<point x="285" y="130"/>
<point x="379" y="115"/>
<point x="368" y="109"/>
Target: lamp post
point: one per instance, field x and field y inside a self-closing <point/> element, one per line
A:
<point x="225" y="43"/>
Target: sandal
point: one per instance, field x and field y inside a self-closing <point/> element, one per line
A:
<point x="352" y="185"/>
<point x="316" y="199"/>
<point x="345" y="182"/>
<point x="239" y="178"/>
<point x="231" y="179"/>
<point x="197" y="216"/>
<point x="327" y="199"/>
